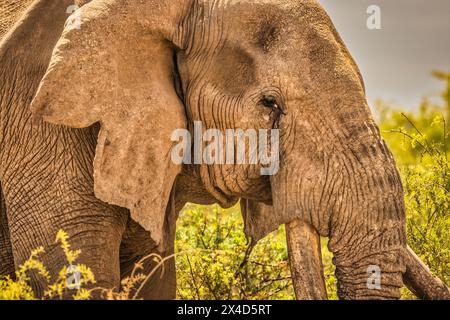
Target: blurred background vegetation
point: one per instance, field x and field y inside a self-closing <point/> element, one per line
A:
<point x="217" y="266"/>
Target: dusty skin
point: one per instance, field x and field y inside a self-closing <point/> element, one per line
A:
<point x="86" y="116"/>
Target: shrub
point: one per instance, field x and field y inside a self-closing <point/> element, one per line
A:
<point x="218" y="263"/>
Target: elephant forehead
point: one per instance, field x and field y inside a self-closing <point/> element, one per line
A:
<point x="269" y="24"/>
<point x="272" y="27"/>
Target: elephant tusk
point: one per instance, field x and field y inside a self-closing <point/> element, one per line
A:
<point x="305" y="258"/>
<point x="421" y="282"/>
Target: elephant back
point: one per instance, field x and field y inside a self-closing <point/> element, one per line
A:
<point x="10" y="13"/>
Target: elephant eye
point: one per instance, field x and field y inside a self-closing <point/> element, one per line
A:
<point x="271" y="102"/>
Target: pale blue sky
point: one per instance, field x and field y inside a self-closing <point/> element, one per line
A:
<point x="397" y="60"/>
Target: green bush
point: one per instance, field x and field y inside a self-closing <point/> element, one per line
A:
<point x="214" y="261"/>
<point x="218" y="264"/>
<point x="428" y="213"/>
<point x="420" y="141"/>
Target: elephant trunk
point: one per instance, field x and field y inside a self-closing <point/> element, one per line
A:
<point x="377" y="276"/>
<point x="380" y="277"/>
<point x="351" y="193"/>
<point x="368" y="237"/>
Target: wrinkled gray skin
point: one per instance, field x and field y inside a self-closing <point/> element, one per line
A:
<point x="46" y="173"/>
<point x="144" y="69"/>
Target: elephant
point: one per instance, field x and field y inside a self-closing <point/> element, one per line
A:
<point x="88" y="111"/>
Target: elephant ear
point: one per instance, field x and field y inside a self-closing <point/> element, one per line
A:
<point x="118" y="70"/>
<point x="259" y="219"/>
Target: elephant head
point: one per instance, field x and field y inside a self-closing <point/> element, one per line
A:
<point x="144" y="69"/>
